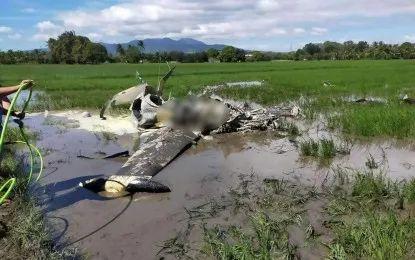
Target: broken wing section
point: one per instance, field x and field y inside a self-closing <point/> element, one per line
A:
<point x="158" y="150"/>
<point x="126" y="97"/>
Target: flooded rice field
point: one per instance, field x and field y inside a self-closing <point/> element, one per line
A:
<point x="136" y="226"/>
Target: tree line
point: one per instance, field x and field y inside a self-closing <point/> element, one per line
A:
<point x="135" y="54"/>
<point x="69" y="48"/>
<point x="350" y="50"/>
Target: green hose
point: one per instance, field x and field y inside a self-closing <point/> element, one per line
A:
<point x="6" y="121"/>
<point x="39" y="154"/>
<point x="26" y="141"/>
<point x="12" y="182"/>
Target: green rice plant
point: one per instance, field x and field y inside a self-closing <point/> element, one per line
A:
<point x="327" y="148"/>
<point x="394" y="120"/>
<point x="309" y="148"/>
<point x="277" y="185"/>
<point x="266" y="238"/>
<point x="289" y="127"/>
<point x="371" y="163"/>
<point x="337" y="252"/>
<point x="371" y="186"/>
<point x="409" y="191"/>
<point x="377" y="236"/>
<point x="89" y="86"/>
<point x="333" y="121"/>
<point x="323" y="148"/>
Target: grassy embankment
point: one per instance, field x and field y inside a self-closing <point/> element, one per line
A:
<point x="23" y="231"/>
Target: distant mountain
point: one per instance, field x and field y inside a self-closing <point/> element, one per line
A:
<point x="152" y="45"/>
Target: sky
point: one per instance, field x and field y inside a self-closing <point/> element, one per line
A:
<point x="276" y="25"/>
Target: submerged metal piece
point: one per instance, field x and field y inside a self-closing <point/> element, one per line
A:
<point x="408" y="100"/>
<point x="181" y="120"/>
<point x="112" y="156"/>
<point x="144" y="110"/>
<point x="119" y="185"/>
<point x="126" y="97"/>
<point x="160" y="148"/>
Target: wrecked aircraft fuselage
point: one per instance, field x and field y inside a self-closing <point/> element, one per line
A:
<point x="175" y="126"/>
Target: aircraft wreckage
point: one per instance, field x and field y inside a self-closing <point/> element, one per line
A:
<point x="171" y="126"/>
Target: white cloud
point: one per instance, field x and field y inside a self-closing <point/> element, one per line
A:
<point x="318" y="31"/>
<point x="28" y="10"/>
<point x="46" y="30"/>
<point x="94" y="36"/>
<point x="5" y="29"/>
<point x="14" y="36"/>
<point x="268" y="5"/>
<point x="277" y="31"/>
<point x="410" y="37"/>
<point x="212" y="20"/>
<point x="299" y="30"/>
<point x="46" y="26"/>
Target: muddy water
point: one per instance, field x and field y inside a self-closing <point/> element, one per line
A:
<point x="134" y="227"/>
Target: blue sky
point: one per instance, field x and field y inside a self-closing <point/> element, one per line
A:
<point x="263" y="24"/>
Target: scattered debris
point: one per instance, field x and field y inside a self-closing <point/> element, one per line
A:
<point x="407" y="165"/>
<point x="365" y="100"/>
<point x="124" y="185"/>
<point x="328" y="84"/>
<point x="133" y="96"/>
<point x="239" y="84"/>
<point x="408" y="100"/>
<point x="250" y="116"/>
<point x="174" y="125"/>
<point x="112" y="156"/>
<point x="86" y="114"/>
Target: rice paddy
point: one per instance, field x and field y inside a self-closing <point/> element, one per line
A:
<point x="355" y="213"/>
<point x="89" y="86"/>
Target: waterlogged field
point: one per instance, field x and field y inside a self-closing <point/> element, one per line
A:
<point x="308" y="194"/>
<point x="323" y="84"/>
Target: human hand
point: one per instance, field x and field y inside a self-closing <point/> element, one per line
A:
<point x="27" y="83"/>
<point x="19" y="115"/>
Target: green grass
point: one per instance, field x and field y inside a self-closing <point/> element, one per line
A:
<point x="279" y="219"/>
<point x="393" y="120"/>
<point x="268" y="240"/>
<point x="23" y="231"/>
<point x="409" y="191"/>
<point x="372" y="186"/>
<point x="322" y="149"/>
<point x="89" y="86"/>
<point x="372" y="219"/>
<point x="377" y="236"/>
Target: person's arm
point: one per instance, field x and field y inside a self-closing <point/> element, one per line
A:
<point x="20" y="115"/>
<point x="5" y="91"/>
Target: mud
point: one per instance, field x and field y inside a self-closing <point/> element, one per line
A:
<point x="133" y="227"/>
